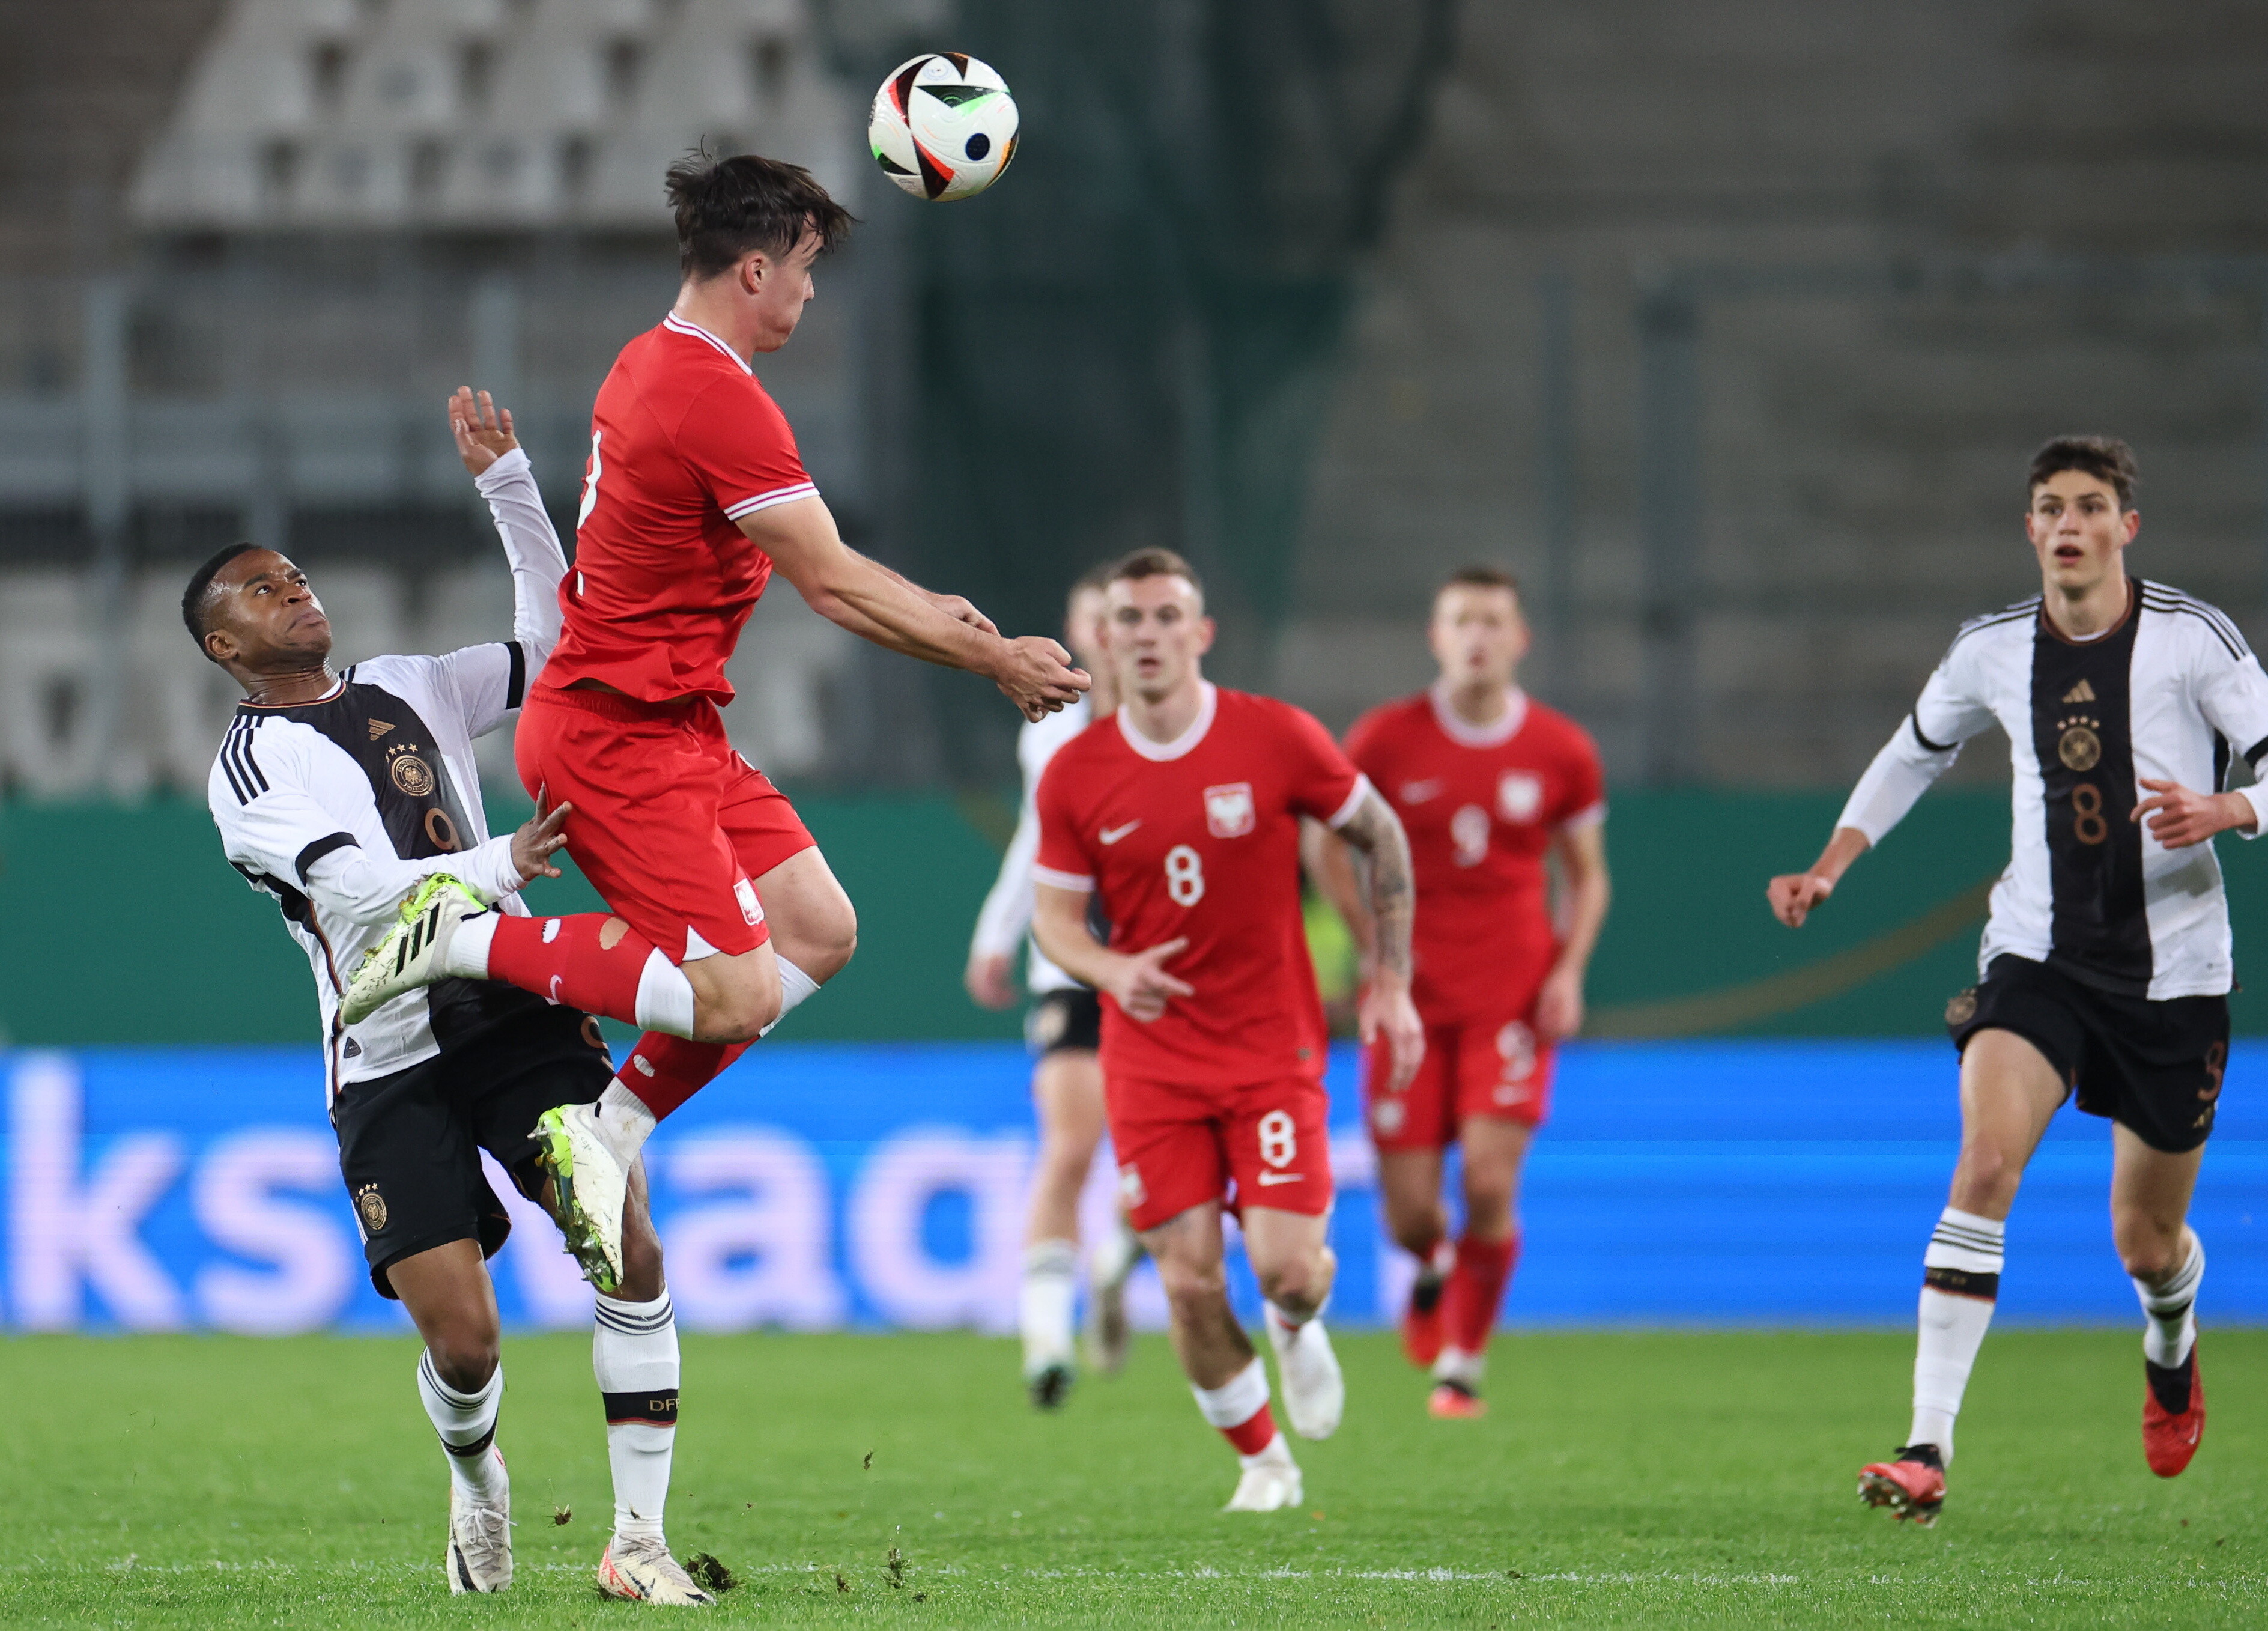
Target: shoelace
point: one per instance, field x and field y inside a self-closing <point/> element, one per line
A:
<point x="489" y="1530"/>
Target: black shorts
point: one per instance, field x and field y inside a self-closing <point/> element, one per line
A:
<point x="2154" y="1067"/>
<point x="1070" y="1018"/>
<point x="409" y="1143"/>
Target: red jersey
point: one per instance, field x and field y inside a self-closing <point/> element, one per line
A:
<point x="683" y="442"/>
<point x="1200" y="837"/>
<point x="1481" y="804"/>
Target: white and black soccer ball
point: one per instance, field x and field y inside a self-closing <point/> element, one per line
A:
<point x="944" y="126"/>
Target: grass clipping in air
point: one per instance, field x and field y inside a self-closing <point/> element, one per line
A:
<point x="1670" y="1479"/>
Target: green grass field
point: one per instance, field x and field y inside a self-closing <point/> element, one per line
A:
<point x="1636" y="1480"/>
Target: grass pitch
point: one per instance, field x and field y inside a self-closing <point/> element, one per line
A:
<point x="1635" y="1480"/>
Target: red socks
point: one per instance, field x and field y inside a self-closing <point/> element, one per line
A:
<point x="1253" y="1434"/>
<point x="1476" y="1288"/>
<point x="589" y="960"/>
<point x="664" y="1071"/>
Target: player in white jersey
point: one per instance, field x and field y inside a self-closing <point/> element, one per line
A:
<point x="2106" y="961"/>
<point x="1062" y="1029"/>
<point x="339" y="794"/>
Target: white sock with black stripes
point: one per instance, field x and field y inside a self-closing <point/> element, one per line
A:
<point x="634" y="1355"/>
<point x="466" y="1423"/>
<point x="2172" y="1310"/>
<point x="1960" y="1281"/>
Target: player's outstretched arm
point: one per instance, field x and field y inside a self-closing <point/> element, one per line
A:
<point x="1392" y="902"/>
<point x="1137" y="981"/>
<point x="877" y="604"/>
<point x="1793" y="894"/>
<point x="1582" y="852"/>
<point x="492" y="455"/>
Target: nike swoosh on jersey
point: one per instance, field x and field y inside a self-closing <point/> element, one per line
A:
<point x="1111" y="834"/>
<point x="1418" y="792"/>
<point x="1267" y="1178"/>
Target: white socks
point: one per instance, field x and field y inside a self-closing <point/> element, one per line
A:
<point x="2172" y="1310"/>
<point x="634" y="1355"/>
<point x="1960" y="1278"/>
<point x="795" y="985"/>
<point x="465" y="956"/>
<point x="1237" y="1400"/>
<point x="624" y="1121"/>
<point x="665" y="998"/>
<point x="1043" y="1305"/>
<point x="466" y="1423"/>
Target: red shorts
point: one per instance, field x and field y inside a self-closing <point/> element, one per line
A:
<point x="1180" y="1147"/>
<point x="1494" y="1068"/>
<point x="670" y="824"/>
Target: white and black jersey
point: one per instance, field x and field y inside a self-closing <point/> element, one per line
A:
<point x="339" y="808"/>
<point x="1004" y="923"/>
<point x="2167" y="694"/>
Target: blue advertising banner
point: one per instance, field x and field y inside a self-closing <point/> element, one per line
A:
<point x="824" y="1185"/>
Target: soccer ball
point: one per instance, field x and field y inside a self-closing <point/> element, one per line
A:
<point x="944" y="126"/>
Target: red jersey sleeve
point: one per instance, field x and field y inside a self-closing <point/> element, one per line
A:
<point x="1585" y="799"/>
<point x="738" y="445"/>
<point x="1063" y="861"/>
<point x="1321" y="780"/>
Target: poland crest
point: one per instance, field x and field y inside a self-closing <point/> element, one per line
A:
<point x="1229" y="810"/>
<point x="1519" y="796"/>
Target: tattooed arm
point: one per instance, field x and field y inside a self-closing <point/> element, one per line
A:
<point x="1391" y="904"/>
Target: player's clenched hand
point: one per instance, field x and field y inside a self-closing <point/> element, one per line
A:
<point x="541" y="835"/>
<point x="989" y="979"/>
<point x="2179" y="818"/>
<point x="1559" y="1005"/>
<point x="1792" y="895"/>
<point x="483" y="430"/>
<point x="1142" y="987"/>
<point x="1388" y="1011"/>
<point x="1035" y="674"/>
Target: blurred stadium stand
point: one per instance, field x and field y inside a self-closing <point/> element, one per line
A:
<point x="1730" y="327"/>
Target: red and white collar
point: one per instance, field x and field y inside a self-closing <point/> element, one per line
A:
<point x="678" y="325"/>
<point x="1158" y="752"/>
<point x="1467" y="734"/>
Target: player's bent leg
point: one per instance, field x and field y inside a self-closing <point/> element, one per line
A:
<point x="1295" y="1268"/>
<point x="814" y="927"/>
<point x="1410" y="1191"/>
<point x="2009" y="1092"/>
<point x="460" y="1382"/>
<point x="1226" y="1377"/>
<point x="1067" y="1091"/>
<point x="2150" y="1191"/>
<point x="1496" y="1149"/>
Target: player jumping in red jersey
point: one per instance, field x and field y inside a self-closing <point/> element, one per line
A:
<point x="1487" y="782"/>
<point x="1182" y="812"/>
<point x="724" y="914"/>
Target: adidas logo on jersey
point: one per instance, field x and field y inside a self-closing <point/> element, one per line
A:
<point x="2081" y="693"/>
<point x="379" y="728"/>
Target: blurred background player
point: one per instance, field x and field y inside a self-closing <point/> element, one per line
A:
<point x="725" y="914"/>
<point x="1489" y="786"/>
<point x="338" y="796"/>
<point x="2106" y="959"/>
<point x="1179" y="814"/>
<point x="1062" y="1030"/>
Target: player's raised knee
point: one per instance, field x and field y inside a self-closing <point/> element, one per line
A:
<point x="465" y="1359"/>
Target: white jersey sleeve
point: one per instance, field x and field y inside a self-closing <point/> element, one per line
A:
<point x="1952" y="708"/>
<point x="483" y="684"/>
<point x="1006" y="919"/>
<point x="2232" y="694"/>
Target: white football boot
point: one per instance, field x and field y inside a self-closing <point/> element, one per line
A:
<point x="640" y="1567"/>
<point x="590" y="1183"/>
<point x="1315" y="1387"/>
<point x="415" y="953"/>
<point x="478" y="1557"/>
<point x="1271" y="1482"/>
